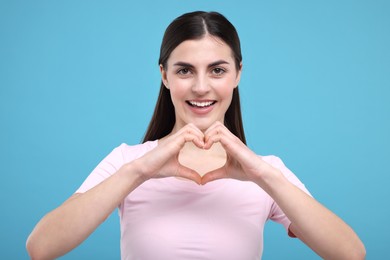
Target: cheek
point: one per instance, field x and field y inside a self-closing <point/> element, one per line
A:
<point x="178" y="93"/>
<point x="179" y="87"/>
<point x="175" y="94"/>
<point x="225" y="88"/>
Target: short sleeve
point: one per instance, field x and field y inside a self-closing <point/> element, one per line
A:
<point x="113" y="162"/>
<point x="276" y="213"/>
<point x="107" y="167"/>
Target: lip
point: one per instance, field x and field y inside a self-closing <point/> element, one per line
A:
<point x="200" y="109"/>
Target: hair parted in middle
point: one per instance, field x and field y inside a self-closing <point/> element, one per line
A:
<point x="193" y="26"/>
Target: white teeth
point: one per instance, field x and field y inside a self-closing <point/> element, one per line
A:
<point x="201" y="104"/>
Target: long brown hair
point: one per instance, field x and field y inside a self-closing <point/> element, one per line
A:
<point x="192" y="26"/>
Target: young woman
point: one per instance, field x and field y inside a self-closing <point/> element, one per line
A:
<point x="193" y="189"/>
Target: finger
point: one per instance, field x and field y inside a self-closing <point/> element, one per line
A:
<point x="189" y="174"/>
<point x="217" y="174"/>
<point x="176" y="142"/>
<point x="191" y="133"/>
<point x="195" y="128"/>
<point x="214" y="126"/>
<point x="219" y="133"/>
<point x="234" y="147"/>
<point x="212" y="135"/>
<point x="189" y="137"/>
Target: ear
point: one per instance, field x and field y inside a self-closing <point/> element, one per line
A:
<point x="238" y="78"/>
<point x="164" y="76"/>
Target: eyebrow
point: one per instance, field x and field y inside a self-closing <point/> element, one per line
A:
<point x="189" y="65"/>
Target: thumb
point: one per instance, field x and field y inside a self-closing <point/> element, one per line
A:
<point x="189" y="174"/>
<point x="217" y="174"/>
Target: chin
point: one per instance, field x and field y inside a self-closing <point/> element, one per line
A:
<point x="203" y="126"/>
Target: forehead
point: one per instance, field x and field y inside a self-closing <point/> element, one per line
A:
<point x="205" y="50"/>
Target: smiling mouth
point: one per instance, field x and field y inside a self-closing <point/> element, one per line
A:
<point x="202" y="104"/>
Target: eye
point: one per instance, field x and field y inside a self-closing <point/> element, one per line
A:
<point x="183" y="71"/>
<point x="218" y="71"/>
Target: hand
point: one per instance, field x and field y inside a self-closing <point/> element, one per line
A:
<point x="241" y="162"/>
<point x="163" y="160"/>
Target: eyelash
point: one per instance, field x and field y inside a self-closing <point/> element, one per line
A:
<point x="181" y="71"/>
<point x="220" y="71"/>
<point x="216" y="71"/>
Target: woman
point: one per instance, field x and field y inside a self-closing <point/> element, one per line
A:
<point x="195" y="138"/>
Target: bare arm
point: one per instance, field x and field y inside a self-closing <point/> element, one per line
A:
<point x="66" y="227"/>
<point x="315" y="225"/>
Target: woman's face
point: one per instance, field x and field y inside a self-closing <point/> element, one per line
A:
<point x="201" y="76"/>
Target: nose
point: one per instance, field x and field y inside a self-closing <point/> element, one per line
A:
<point x="201" y="85"/>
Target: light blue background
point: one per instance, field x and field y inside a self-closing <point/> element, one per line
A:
<point x="77" y="78"/>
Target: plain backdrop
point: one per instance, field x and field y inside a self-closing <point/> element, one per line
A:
<point x="78" y="78"/>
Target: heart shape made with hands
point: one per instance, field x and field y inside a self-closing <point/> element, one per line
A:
<point x="203" y="160"/>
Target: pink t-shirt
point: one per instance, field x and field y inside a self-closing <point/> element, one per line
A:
<point x="176" y="219"/>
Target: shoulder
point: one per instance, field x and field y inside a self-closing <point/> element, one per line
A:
<point x="278" y="163"/>
<point x="131" y="152"/>
<point x="273" y="160"/>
